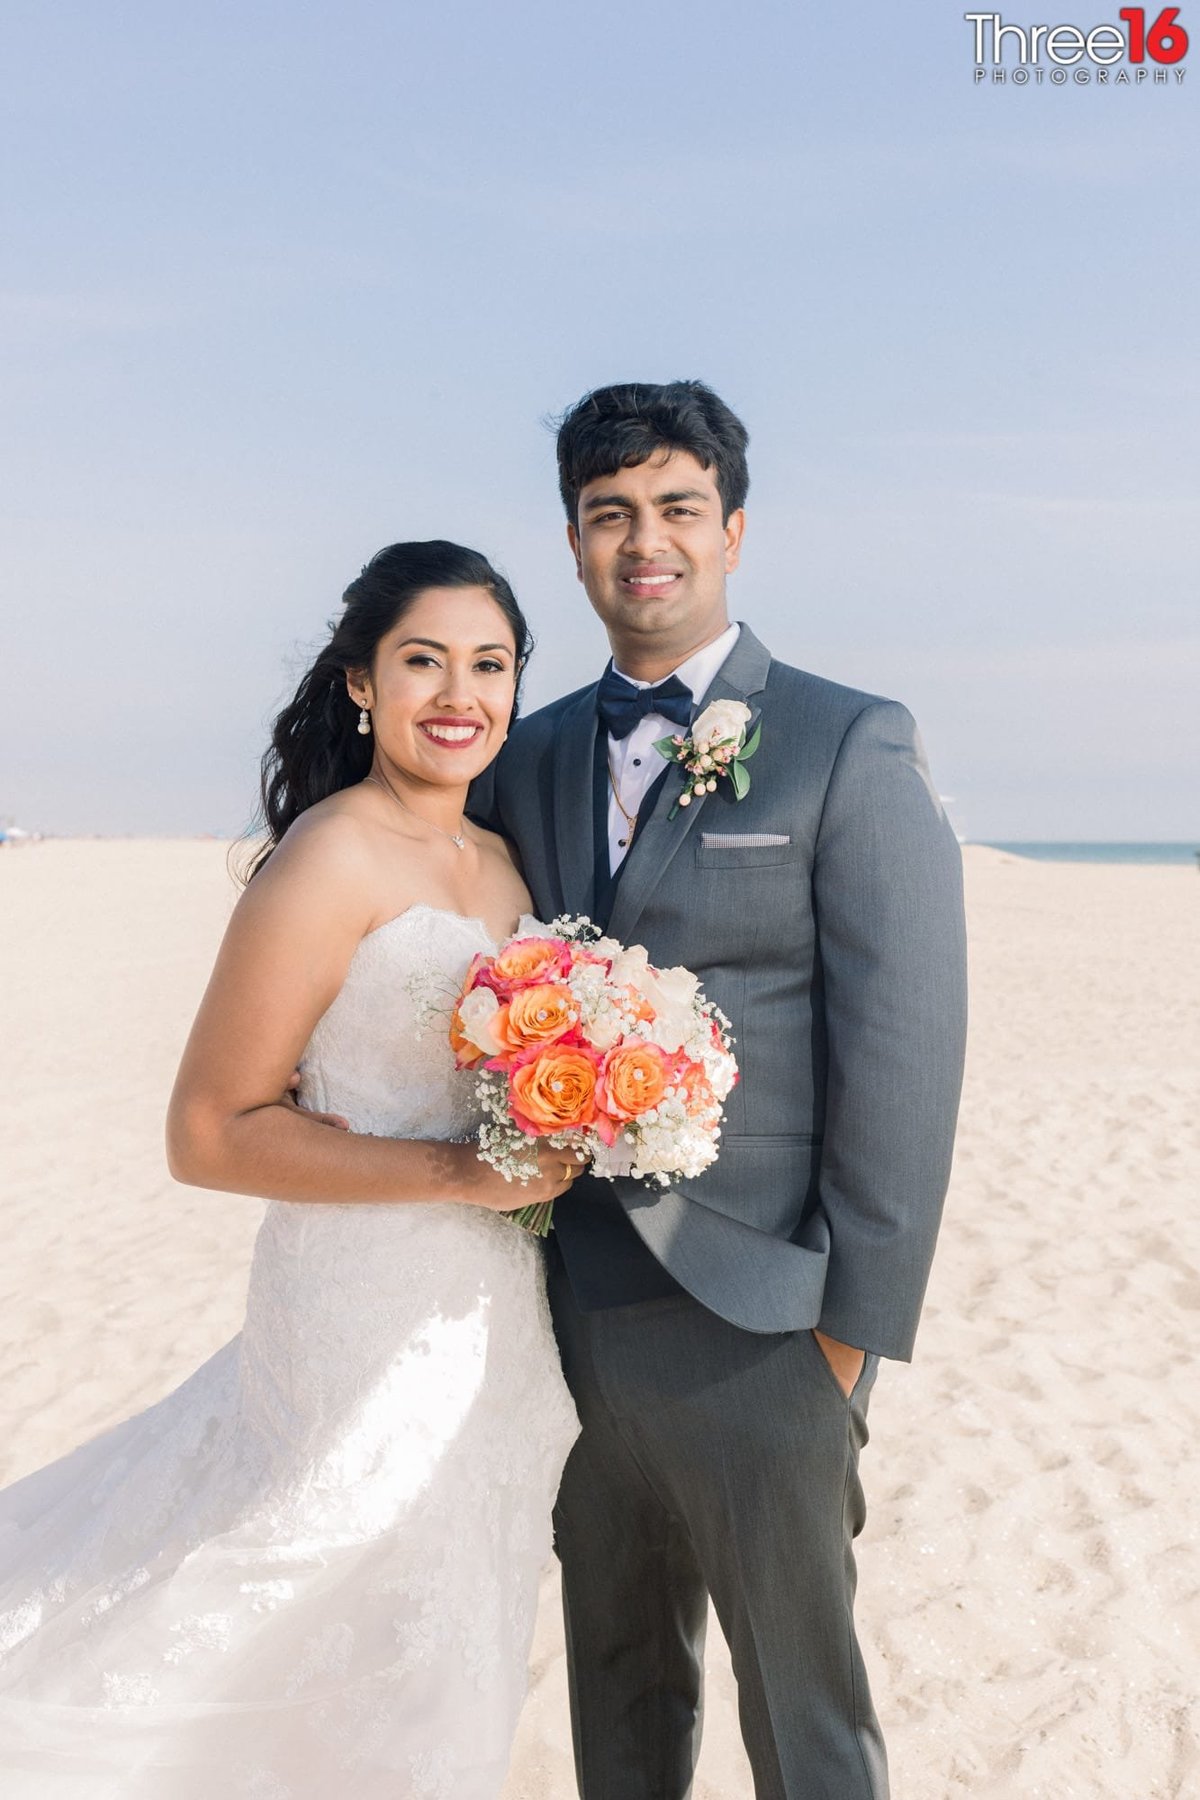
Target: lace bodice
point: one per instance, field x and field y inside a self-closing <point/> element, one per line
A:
<point x="381" y="1053"/>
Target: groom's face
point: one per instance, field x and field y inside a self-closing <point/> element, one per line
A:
<point x="652" y="552"/>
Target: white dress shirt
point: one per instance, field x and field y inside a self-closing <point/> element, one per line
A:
<point x="634" y="761"/>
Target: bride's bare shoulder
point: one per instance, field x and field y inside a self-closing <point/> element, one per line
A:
<point x="332" y="851"/>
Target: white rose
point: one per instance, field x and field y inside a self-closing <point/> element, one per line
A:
<point x="668" y="1029"/>
<point x="672" y="987"/>
<point x="721" y="1070"/>
<point x="723" y="719"/>
<point x="672" y="994"/>
<point x="604" y="1030"/>
<point x="475" y="1014"/>
<point x="611" y="1160"/>
<point x="629" y="967"/>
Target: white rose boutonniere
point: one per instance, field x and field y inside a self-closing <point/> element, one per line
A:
<point x="716" y="748"/>
<point x="721" y="723"/>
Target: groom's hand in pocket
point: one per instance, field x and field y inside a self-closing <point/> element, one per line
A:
<point x="845" y="1361"/>
<point x="291" y="1098"/>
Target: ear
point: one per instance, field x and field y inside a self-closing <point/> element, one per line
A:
<point x="358" y="686"/>
<point x="735" y="525"/>
<point x="573" y="540"/>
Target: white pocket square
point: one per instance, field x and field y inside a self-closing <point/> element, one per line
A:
<point x="742" y="840"/>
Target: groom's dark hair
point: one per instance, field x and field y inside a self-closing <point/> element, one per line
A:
<point x="619" y="427"/>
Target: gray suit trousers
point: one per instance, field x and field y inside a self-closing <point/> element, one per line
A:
<point x="713" y="1461"/>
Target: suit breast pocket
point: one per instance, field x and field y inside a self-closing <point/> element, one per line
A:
<point x="746" y="849"/>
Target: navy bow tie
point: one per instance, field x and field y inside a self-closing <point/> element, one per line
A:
<point x="621" y="705"/>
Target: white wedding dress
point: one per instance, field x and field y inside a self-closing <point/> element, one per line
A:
<point x="310" y="1573"/>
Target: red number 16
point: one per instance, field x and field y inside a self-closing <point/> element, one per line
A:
<point x="1167" y="42"/>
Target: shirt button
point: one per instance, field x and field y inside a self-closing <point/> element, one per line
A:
<point x="637" y="762"/>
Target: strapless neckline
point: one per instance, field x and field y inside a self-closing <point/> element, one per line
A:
<point x="437" y="912"/>
<point x="380" y="1055"/>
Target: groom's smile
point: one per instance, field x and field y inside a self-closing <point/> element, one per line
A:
<point x="652" y="580"/>
<point x="652" y="549"/>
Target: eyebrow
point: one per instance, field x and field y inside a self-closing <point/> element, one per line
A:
<point x="659" y="499"/>
<point x="432" y="644"/>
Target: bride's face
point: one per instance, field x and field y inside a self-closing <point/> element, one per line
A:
<point x="442" y="685"/>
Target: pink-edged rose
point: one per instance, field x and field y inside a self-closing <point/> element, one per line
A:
<point x="552" y="1087"/>
<point x="634" y="1078"/>
<point x="526" y="961"/>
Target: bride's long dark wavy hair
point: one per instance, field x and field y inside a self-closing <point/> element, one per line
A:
<point x="315" y="745"/>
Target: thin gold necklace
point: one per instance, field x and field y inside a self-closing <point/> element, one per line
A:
<point x="630" y="819"/>
<point x="456" y="837"/>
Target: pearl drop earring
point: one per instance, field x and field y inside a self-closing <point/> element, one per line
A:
<point x="364" y="722"/>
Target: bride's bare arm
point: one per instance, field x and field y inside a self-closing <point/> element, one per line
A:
<point x="283" y="959"/>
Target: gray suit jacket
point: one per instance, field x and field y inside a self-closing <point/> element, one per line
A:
<point x="823" y="914"/>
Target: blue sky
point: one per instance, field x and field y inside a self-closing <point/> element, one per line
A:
<point x="284" y="283"/>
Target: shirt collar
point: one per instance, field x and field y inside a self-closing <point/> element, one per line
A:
<point x="700" y="670"/>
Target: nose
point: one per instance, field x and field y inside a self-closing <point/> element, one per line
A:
<point x="457" y="690"/>
<point x="646" y="533"/>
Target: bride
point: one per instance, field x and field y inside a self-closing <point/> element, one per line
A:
<point x="311" y="1571"/>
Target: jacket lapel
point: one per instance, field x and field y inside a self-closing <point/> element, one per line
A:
<point x="574" y="749"/>
<point x="741" y="676"/>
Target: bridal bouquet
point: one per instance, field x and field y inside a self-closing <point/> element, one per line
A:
<point x="579" y="1042"/>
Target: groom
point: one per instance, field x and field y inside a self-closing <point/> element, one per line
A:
<point x="721" y="1337"/>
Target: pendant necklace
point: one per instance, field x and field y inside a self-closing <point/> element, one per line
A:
<point x="456" y="837"/>
<point x="630" y="819"/>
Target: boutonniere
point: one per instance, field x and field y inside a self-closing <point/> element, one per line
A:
<point x="716" y="748"/>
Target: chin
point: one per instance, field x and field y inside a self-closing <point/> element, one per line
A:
<point x="651" y="615"/>
<point x="459" y="773"/>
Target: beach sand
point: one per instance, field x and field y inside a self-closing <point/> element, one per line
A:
<point x="1031" y="1564"/>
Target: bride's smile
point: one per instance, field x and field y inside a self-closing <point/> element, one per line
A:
<point x="439" y="697"/>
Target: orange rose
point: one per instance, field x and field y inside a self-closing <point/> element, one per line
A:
<point x="527" y="960"/>
<point x="636" y="1076"/>
<point x="554" y="1089"/>
<point x="535" y="1015"/>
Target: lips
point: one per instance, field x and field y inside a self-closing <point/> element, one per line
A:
<point x="451" y="734"/>
<point x="650" y="579"/>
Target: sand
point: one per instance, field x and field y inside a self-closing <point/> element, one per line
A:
<point x="1030" y="1568"/>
